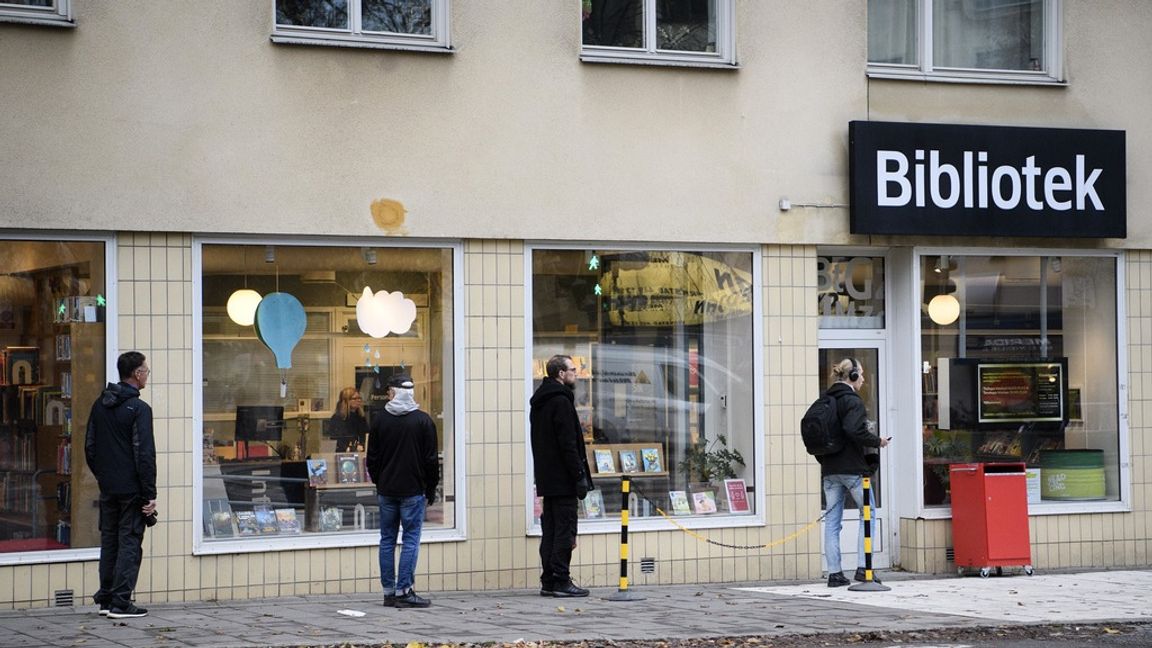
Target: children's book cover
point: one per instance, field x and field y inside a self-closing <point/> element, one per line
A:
<point x="348" y="467"/>
<point x="287" y="521"/>
<point x="651" y="458"/>
<point x="704" y="502"/>
<point x="317" y="472"/>
<point x="266" y="519"/>
<point x="679" y="501"/>
<point x="594" y="505"/>
<point x="604" y="462"/>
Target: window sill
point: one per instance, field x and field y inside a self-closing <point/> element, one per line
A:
<point x="361" y="43"/>
<point x="1046" y="508"/>
<point x="46" y="557"/>
<point x="265" y="544"/>
<point x="659" y="61"/>
<point x="638" y="525"/>
<point x="39" y="21"/>
<point x="967" y="77"/>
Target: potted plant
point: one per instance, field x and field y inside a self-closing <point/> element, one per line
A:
<point x="710" y="461"/>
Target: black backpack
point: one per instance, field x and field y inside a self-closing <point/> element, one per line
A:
<point x="820" y="427"/>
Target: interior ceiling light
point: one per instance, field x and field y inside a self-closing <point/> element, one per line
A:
<point x="242" y="306"/>
<point x="944" y="309"/>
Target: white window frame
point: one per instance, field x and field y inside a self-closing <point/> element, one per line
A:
<point x="926" y="70"/>
<point x="367" y="538"/>
<point x="355" y="36"/>
<point x="718" y="520"/>
<point x="58" y="15"/>
<point x="723" y="57"/>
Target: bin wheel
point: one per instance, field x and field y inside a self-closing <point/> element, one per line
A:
<point x="1028" y="570"/>
<point x="999" y="571"/>
<point x="985" y="571"/>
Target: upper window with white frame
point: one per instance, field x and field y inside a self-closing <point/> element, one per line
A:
<point x="1005" y="41"/>
<point x="37" y="12"/>
<point x="669" y="32"/>
<point x="383" y="24"/>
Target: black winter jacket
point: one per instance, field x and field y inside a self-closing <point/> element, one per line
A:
<point x="851" y="460"/>
<point x="402" y="459"/>
<point x="559" y="456"/>
<point x="119" y="444"/>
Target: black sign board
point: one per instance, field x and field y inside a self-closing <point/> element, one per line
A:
<point x="986" y="180"/>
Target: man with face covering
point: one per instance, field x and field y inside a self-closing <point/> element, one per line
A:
<point x="402" y="462"/>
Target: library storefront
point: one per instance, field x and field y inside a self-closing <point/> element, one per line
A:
<point x="53" y="344"/>
<point x="1021" y="351"/>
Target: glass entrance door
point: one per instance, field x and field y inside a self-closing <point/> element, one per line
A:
<point x="869" y="354"/>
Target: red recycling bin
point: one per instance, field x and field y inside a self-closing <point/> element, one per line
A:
<point x="990" y="516"/>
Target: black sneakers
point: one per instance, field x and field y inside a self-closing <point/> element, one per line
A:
<point x="567" y="590"/>
<point x="860" y="575"/>
<point x="103" y="609"/>
<point x="389" y="600"/>
<point x="412" y="600"/>
<point x="547" y="590"/>
<point x="130" y="612"/>
<point x="836" y="579"/>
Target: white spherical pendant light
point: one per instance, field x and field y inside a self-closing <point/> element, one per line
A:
<point x="944" y="309"/>
<point x="242" y="306"/>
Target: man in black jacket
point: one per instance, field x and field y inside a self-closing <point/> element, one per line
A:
<point x="842" y="472"/>
<point x="562" y="476"/>
<point x="121" y="453"/>
<point x="403" y="463"/>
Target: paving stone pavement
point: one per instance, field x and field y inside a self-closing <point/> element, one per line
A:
<point x="668" y="612"/>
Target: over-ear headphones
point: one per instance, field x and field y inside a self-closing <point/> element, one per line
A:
<point x="854" y="374"/>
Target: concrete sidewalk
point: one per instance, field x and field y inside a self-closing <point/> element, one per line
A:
<point x="671" y="612"/>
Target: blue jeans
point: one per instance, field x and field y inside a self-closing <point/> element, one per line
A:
<point x="835" y="488"/>
<point x="397" y="512"/>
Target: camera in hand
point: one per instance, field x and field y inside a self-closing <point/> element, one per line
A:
<point x="150" y="520"/>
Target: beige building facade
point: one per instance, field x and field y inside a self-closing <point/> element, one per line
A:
<point x="670" y="202"/>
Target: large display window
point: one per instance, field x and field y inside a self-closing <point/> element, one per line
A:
<point x="297" y="345"/>
<point x="663" y="345"/>
<point x="52" y="368"/>
<point x="1019" y="363"/>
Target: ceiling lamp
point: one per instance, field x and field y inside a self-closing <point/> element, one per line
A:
<point x="381" y="313"/>
<point x="944" y="309"/>
<point x="242" y="306"/>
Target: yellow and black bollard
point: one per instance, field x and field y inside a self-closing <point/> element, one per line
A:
<point x="624" y="594"/>
<point x="869" y="585"/>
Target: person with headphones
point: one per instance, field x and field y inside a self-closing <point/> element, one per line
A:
<point x="842" y="472"/>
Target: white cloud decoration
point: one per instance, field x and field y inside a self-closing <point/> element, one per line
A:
<point x="384" y="312"/>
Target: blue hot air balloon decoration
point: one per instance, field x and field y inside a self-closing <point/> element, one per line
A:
<point x="280" y="323"/>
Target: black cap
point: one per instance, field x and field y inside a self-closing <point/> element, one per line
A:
<point x="403" y="381"/>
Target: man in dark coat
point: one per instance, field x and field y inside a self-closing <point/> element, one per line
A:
<point x="121" y="453"/>
<point x="560" y="462"/>
<point x="842" y="472"/>
<point x="403" y="463"/>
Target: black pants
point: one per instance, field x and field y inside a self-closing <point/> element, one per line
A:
<point x="558" y="524"/>
<point x="121" y="538"/>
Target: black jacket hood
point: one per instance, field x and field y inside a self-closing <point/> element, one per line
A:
<point x="116" y="393"/>
<point x="550" y="388"/>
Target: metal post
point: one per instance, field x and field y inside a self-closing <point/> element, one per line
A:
<point x="624" y="594"/>
<point x="868" y="585"/>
